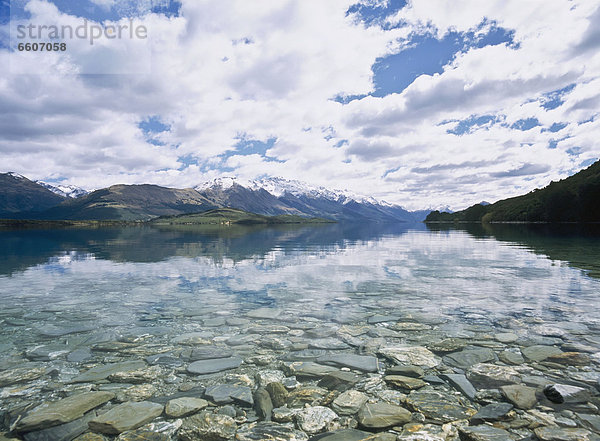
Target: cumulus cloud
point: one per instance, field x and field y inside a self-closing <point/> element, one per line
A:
<point x="223" y="71"/>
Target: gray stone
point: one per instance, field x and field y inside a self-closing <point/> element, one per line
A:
<point x="308" y="370"/>
<point x="523" y="397"/>
<point x="506" y="337"/>
<point x="47" y="352"/>
<point x="365" y="363"/>
<point x="483" y="433"/>
<point x="79" y="355"/>
<point x="184" y="406"/>
<point x="511" y="357"/>
<point x="461" y="384"/>
<point x="343" y="435"/>
<point x="311" y="395"/>
<point x="62" y="411"/>
<point x="204" y="367"/>
<point x="349" y="402"/>
<point x="405" y="383"/>
<point x="490" y="376"/>
<point x="193" y="338"/>
<point x="229" y="393"/>
<point x="382" y="415"/>
<point x="564" y="393"/>
<point x="264" y="313"/>
<point x="439" y="406"/>
<point x="411" y="355"/>
<point x="447" y="345"/>
<point x="57" y="331"/>
<point x="424" y="432"/>
<point x="103" y="371"/>
<point x="263" y="404"/>
<point x="126" y="416"/>
<point x="591" y="421"/>
<point x="270" y="432"/>
<point x="469" y="357"/>
<point x="339" y="380"/>
<point x="540" y="352"/>
<point x="139" y="376"/>
<point x="327" y="343"/>
<point x="492" y="412"/>
<point x="558" y="434"/>
<point x="64" y="432"/>
<point x="206" y="426"/>
<point x="406" y="371"/>
<point x="164" y="360"/>
<point x="206" y="353"/>
<point x="278" y="393"/>
<point x="378" y="318"/>
<point x="20" y="375"/>
<point x="315" y="419"/>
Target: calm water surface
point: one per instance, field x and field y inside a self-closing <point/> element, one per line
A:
<point x="59" y="282"/>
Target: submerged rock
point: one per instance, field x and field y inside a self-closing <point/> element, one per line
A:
<point x="382" y="415"/>
<point x="203" y="367"/>
<point x="489" y="376"/>
<point x="405" y="383"/>
<point x="185" y="406"/>
<point x="492" y="412"/>
<point x="62" y="411"/>
<point x="483" y="433"/>
<point x="540" y="352"/>
<point x="20" y="375"/>
<point x="103" y="371"/>
<point x="229" y="393"/>
<point x="207" y="426"/>
<point x="521" y="396"/>
<point x="438" y="406"/>
<point x="558" y="434"/>
<point x="315" y="419"/>
<point x="349" y="402"/>
<point x="469" y="357"/>
<point x="412" y="355"/>
<point x="564" y="393"/>
<point x="365" y="363"/>
<point x="270" y="432"/>
<point x="127" y="416"/>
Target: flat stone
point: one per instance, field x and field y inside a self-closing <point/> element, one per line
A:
<point x="564" y="393"/>
<point x="379" y="318"/>
<point x="264" y="313"/>
<point x="58" y="331"/>
<point x="405" y="383"/>
<point x="206" y="426"/>
<point x="349" y="402"/>
<point x="315" y="419"/>
<point x="558" y="434"/>
<point x="103" y="371"/>
<point x="591" y="421"/>
<point x="20" y="375"/>
<point x="79" y="355"/>
<point x="511" y="357"/>
<point x="439" y="406"/>
<point x="461" y="384"/>
<point x="164" y="360"/>
<point x="268" y="376"/>
<point x="492" y="412"/>
<point x="523" y="397"/>
<point x="570" y="359"/>
<point x="308" y="369"/>
<point x="330" y="344"/>
<point x="47" y="352"/>
<point x="506" y="337"/>
<point x="229" y="393"/>
<point x="412" y="355"/>
<point x="310" y="395"/>
<point x="126" y="416"/>
<point x="206" y="353"/>
<point x="382" y="415"/>
<point x="469" y="357"/>
<point x="447" y="345"/>
<point x="204" y="367"/>
<point x="483" y="433"/>
<point x="406" y="371"/>
<point x="364" y="363"/>
<point x="263" y="404"/>
<point x="343" y="435"/>
<point x="339" y="380"/>
<point x="193" y="338"/>
<point x="540" y="352"/>
<point x="63" y="432"/>
<point x="184" y="406"/>
<point x="139" y="376"/>
<point x="270" y="432"/>
<point x="424" y="432"/>
<point x="62" y="411"/>
<point x="90" y="436"/>
<point x="490" y="376"/>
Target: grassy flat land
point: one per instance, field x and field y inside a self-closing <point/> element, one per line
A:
<point x="229" y="216"/>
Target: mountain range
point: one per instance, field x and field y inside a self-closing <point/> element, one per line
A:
<point x="574" y="199"/>
<point x="21" y="198"/>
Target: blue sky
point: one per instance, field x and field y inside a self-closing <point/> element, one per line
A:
<point x="419" y="103"/>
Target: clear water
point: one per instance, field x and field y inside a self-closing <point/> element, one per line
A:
<point x="104" y="282"/>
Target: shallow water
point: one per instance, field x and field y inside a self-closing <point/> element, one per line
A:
<point x="73" y="289"/>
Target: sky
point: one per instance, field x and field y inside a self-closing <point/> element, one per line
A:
<point x="419" y="103"/>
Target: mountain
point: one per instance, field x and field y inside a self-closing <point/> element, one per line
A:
<point x="19" y="194"/>
<point x="574" y="199"/>
<point x="275" y="196"/>
<point x="229" y="216"/>
<point x="66" y="191"/>
<point x="130" y="203"/>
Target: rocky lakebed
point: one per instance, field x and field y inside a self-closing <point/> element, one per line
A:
<point x="272" y="374"/>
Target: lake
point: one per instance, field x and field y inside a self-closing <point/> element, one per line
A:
<point x="247" y="305"/>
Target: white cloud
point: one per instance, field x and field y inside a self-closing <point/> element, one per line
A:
<point x="263" y="70"/>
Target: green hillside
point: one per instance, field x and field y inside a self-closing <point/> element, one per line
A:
<point x="574" y="199"/>
<point x="229" y="216"/>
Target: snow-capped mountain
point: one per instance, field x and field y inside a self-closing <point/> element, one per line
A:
<point x="66" y="191"/>
<point x="273" y="196"/>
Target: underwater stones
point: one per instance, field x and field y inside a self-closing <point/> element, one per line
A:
<point x="185" y="406"/>
<point x="523" y="397"/>
<point x="263" y="404"/>
<point x="315" y="419"/>
<point x="564" y="393"/>
<point x="405" y="383"/>
<point x="469" y="357"/>
<point x="506" y="337"/>
<point x="461" y="383"/>
<point x="489" y="376"/>
<point x="62" y="411"/>
<point x="492" y="412"/>
<point x="540" y="352"/>
<point x="206" y="353"/>
<point x="406" y="371"/>
<point x="278" y="393"/>
<point x="570" y="359"/>
<point x="483" y="433"/>
<point x="308" y="369"/>
<point x="20" y="375"/>
<point x="126" y="416"/>
<point x="229" y="393"/>
<point x="440" y="407"/>
<point x="559" y="434"/>
<point x="206" y="426"/>
<point x="103" y="371"/>
<point x="511" y="357"/>
<point x="447" y="345"/>
<point x="138" y="376"/>
<point x="412" y="355"/>
<point x="382" y="415"/>
<point x="266" y="431"/>
<point x="349" y="402"/>
<point x="365" y="363"/>
<point x="203" y="367"/>
<point x="339" y="381"/>
<point x="62" y="432"/>
<point x="310" y="395"/>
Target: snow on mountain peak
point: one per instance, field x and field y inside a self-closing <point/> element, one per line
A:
<point x="67" y="191"/>
<point x="224" y="183"/>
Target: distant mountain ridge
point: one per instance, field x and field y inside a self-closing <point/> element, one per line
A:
<point x="18" y="194"/>
<point x="144" y="202"/>
<point x="66" y="191"/>
<point x="574" y="199"/>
